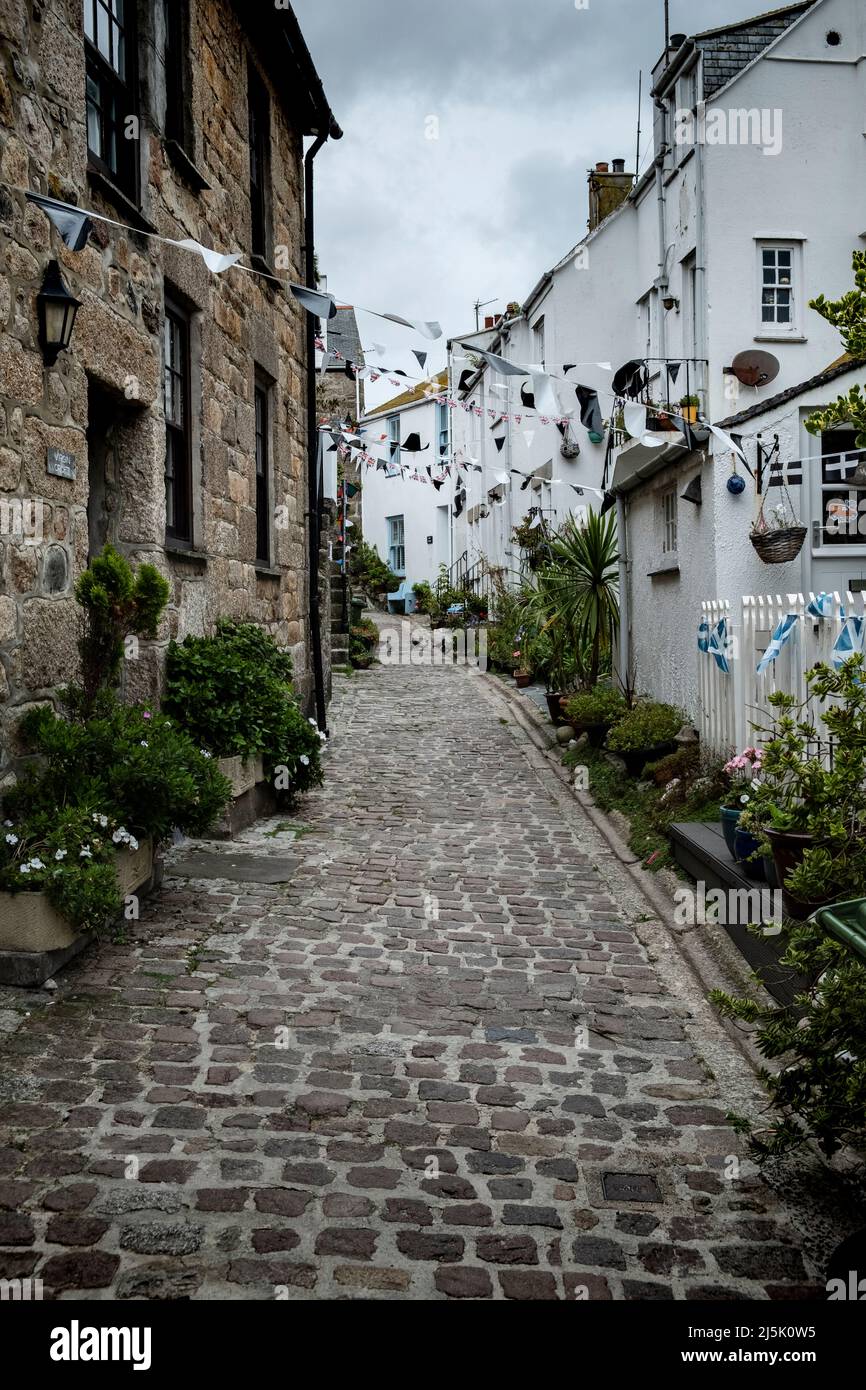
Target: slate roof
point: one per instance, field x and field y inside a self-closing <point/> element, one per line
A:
<point x="837" y="369"/>
<point x="727" y="50"/>
<point x="416" y="396"/>
<point x="343" y="335"/>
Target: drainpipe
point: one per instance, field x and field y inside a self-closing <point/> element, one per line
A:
<point x="314" y="500"/>
<point x="624" y="604"/>
<point x="662" y="283"/>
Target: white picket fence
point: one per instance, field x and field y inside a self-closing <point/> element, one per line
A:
<point x="729" y="705"/>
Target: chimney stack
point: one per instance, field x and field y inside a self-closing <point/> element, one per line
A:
<point x="607" y="190"/>
<point x="490" y="321"/>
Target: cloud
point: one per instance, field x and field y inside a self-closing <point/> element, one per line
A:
<point x="525" y="97"/>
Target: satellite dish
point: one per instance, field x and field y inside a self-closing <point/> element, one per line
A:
<point x="755" y="368"/>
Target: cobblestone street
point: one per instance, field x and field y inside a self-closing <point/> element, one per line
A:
<point x="434" y="1063"/>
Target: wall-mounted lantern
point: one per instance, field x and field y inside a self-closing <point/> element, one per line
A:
<point x="57" y="311"/>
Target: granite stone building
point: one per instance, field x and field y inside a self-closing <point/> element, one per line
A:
<point x="177" y="423"/>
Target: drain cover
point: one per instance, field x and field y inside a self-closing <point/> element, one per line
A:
<point x="241" y="868"/>
<point x="630" y="1187"/>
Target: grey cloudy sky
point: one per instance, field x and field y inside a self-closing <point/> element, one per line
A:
<point x="529" y="94"/>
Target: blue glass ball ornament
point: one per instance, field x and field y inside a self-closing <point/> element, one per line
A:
<point x="736" y="484"/>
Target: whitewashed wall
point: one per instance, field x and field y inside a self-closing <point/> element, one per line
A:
<point x="425" y="511"/>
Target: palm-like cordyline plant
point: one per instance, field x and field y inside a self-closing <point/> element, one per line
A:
<point x="582" y="581"/>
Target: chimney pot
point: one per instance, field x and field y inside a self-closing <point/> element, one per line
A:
<point x="677" y="40"/>
<point x="619" y="166"/>
<point x="489" y="321"/>
<point x="601" y="168"/>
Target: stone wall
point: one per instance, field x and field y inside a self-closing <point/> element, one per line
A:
<point x="103" y="401"/>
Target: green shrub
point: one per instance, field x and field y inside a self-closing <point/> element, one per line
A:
<point x="425" y="599"/>
<point x="820" y="1090"/>
<point x="126" y="762"/>
<point x="363" y="641"/>
<point x="648" y="725"/>
<point x="591" y="708"/>
<point x="232" y="693"/>
<point x="68" y="854"/>
<point x="115" y="603"/>
<point x="369" y="572"/>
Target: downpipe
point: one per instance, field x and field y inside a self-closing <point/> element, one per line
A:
<point x="314" y="499"/>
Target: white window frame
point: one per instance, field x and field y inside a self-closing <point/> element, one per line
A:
<point x="539" y="341"/>
<point x="774" y="331"/>
<point x="397" y="544"/>
<point x="442" y="429"/>
<point x="647" y="307"/>
<point x="394" y="438"/>
<point x="668" y="514"/>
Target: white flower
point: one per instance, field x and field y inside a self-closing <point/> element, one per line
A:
<point x="36" y="863"/>
<point x="205" y="753"/>
<point x="313" y="722"/>
<point x="744" y="798"/>
<point x="132" y="842"/>
<point x="11" y="839"/>
<point x="60" y="854"/>
<point x="7" y="822"/>
<point x="86" y="853"/>
<point x="144" y="743"/>
<point x="305" y="760"/>
<point x="24" y="868"/>
<point x="100" y="820"/>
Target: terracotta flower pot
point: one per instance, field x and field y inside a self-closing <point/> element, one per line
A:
<point x="523" y="679"/>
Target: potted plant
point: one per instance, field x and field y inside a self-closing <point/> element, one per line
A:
<point x="778" y="538"/>
<point x="645" y="734"/>
<point x="595" y="712"/>
<point x="742" y="771"/>
<point x="689" y="406"/>
<point x="812" y="796"/>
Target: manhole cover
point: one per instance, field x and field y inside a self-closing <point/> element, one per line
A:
<point x="630" y="1187"/>
<point x="241" y="868"/>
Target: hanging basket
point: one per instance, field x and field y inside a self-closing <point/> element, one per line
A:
<point x="778" y="546"/>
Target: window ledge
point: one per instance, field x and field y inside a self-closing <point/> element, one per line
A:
<point x="264" y="571"/>
<point x="781" y="338"/>
<point x="185" y="167"/>
<point x="120" y="201"/>
<point x="179" y="550"/>
<point x="664" y="569"/>
<point x="263" y="264"/>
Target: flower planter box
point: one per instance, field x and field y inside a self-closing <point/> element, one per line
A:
<point x="252" y="796"/>
<point x="243" y="773"/>
<point x="36" y="941"/>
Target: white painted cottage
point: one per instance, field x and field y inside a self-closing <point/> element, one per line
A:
<point x="752" y="206"/>
<point x="405" y="507"/>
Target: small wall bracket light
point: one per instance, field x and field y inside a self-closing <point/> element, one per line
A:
<point x="57" y="310"/>
<point x="693" y="492"/>
<point x="670" y="302"/>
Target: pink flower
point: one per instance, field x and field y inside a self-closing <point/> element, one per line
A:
<point x="147" y="714"/>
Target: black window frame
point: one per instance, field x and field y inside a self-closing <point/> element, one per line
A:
<point x="175" y="51"/>
<point x="178" y="436"/>
<point x="263" y="456"/>
<point x="259" y="114"/>
<point x="112" y="97"/>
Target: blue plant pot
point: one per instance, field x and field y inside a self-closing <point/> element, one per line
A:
<point x="730" y="816"/>
<point x="744" y="845"/>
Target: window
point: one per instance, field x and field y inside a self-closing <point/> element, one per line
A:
<point x="538" y="342"/>
<point x="396" y="545"/>
<point x="839" y="502"/>
<point x="176" y="397"/>
<point x="687" y="90"/>
<point x="176" y="48"/>
<point x="260" y="140"/>
<point x="690" y="305"/>
<point x="109" y="31"/>
<point x="442" y="428"/>
<point x="263" y="473"/>
<point x="647" y="313"/>
<point x="778" y="267"/>
<point x="669" y="521"/>
<point x="394" y="439"/>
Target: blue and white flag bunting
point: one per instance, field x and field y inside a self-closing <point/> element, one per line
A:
<point x="780" y="637"/>
<point x="704" y="636"/>
<point x="849" y="642"/>
<point x="718" y="646"/>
